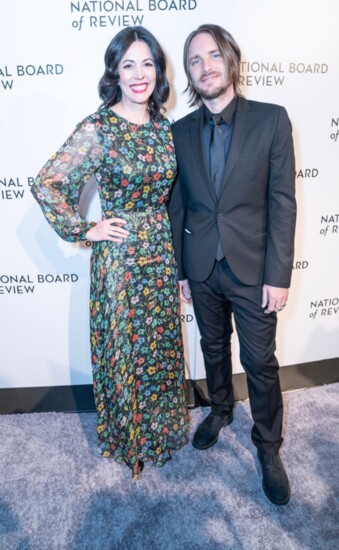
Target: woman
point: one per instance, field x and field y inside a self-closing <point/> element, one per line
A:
<point x="137" y="356"/>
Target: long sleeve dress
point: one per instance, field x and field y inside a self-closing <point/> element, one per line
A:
<point x="136" y="342"/>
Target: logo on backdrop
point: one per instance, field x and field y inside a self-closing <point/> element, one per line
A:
<point x="8" y="74"/>
<point x="326" y="307"/>
<point x="25" y="284"/>
<point x="265" y="73"/>
<point x="96" y="14"/>
<point x="306" y="173"/>
<point x="187" y="318"/>
<point x="14" y="188"/>
<point x="300" y="265"/>
<point x="329" y="225"/>
<point x="334" y="129"/>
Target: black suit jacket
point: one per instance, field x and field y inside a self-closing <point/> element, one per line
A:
<point x="256" y="211"/>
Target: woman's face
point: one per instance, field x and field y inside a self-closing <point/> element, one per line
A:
<point x="137" y="74"/>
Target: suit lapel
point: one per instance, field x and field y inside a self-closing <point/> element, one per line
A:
<point x="238" y="136"/>
<point x="196" y="136"/>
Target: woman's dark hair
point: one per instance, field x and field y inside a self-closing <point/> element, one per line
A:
<point x="109" y="89"/>
<point x="228" y="48"/>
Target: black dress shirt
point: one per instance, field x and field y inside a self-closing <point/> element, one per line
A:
<point x="226" y="127"/>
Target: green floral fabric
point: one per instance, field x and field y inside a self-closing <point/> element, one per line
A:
<point x="137" y="354"/>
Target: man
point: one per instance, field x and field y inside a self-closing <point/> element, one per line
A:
<point x="233" y="219"/>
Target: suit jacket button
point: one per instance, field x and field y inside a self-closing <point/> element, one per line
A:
<point x="220" y="215"/>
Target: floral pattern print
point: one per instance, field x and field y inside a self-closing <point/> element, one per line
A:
<point x="137" y="354"/>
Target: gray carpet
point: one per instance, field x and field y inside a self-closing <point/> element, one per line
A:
<point x="57" y="494"/>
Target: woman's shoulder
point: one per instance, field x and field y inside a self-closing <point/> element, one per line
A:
<point x="99" y="115"/>
<point x="96" y="122"/>
<point x="162" y="120"/>
<point x="89" y="120"/>
<point x="104" y="118"/>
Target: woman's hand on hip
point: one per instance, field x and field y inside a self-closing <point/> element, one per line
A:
<point x="108" y="230"/>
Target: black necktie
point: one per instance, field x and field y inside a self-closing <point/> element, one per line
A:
<point x="217" y="157"/>
<point x="217" y="152"/>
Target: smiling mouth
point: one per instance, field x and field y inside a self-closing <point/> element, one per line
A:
<point x="139" y="88"/>
<point x="209" y="77"/>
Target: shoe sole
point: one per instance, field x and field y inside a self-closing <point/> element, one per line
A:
<point x="200" y="448"/>
<point x="275" y="501"/>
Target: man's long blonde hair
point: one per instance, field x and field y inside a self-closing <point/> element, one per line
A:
<point x="228" y="48"/>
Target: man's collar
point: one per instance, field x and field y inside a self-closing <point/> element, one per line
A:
<point x="226" y="114"/>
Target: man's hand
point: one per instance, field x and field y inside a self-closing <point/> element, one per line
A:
<point x="273" y="298"/>
<point x="185" y="292"/>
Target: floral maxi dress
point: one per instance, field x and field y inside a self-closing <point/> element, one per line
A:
<point x="137" y="355"/>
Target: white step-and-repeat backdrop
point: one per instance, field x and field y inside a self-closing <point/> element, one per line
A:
<point x="50" y="63"/>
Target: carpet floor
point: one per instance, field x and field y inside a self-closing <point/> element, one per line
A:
<point x="57" y="494"/>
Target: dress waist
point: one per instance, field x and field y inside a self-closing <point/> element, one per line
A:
<point x="150" y="220"/>
<point x="138" y="216"/>
<point x="150" y="210"/>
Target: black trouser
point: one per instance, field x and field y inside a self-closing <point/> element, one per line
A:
<point x="214" y="300"/>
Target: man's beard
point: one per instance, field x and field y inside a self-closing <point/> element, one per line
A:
<point x="213" y="94"/>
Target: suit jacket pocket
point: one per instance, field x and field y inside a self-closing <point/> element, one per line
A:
<point x="260" y="157"/>
<point x="259" y="233"/>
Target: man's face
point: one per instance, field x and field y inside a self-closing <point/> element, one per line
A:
<point x="207" y="67"/>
